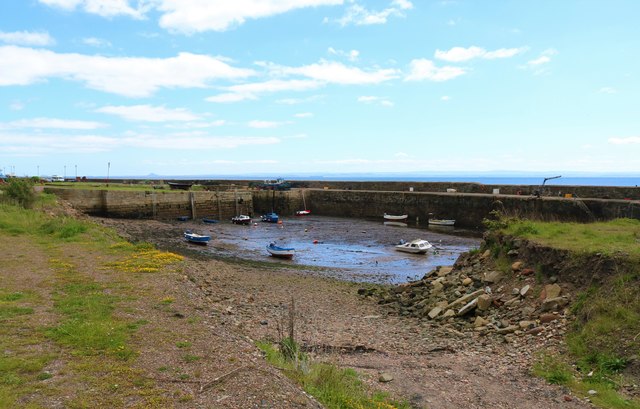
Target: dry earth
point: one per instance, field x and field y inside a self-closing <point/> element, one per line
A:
<point x="431" y="365"/>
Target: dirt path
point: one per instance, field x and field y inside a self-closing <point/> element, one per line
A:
<point x="432" y="366"/>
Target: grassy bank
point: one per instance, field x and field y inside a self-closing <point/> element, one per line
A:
<point x="604" y="342"/>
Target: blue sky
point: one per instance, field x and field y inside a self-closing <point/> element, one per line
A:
<point x="272" y="87"/>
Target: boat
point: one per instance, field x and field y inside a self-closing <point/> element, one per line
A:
<point x="182" y="218"/>
<point x="278" y="184"/>
<point x="417" y="246"/>
<point x="209" y="220"/>
<point x="180" y="186"/>
<point x="398" y="217"/>
<point x="442" y="222"/>
<point x="282" y="252"/>
<point x="304" y="212"/>
<point x="270" y="217"/>
<point x="196" y="238"/>
<point x="241" y="219"/>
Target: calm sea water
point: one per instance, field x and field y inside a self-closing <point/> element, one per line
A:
<point x="484" y="179"/>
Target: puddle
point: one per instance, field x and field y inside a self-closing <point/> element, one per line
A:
<point x="360" y="250"/>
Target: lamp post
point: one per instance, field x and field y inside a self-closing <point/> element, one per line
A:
<point x="108" y="167"/>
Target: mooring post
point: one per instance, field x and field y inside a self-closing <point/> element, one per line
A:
<point x="193" y="205"/>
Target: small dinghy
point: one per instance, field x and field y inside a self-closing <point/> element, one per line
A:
<point x="282" y="252"/>
<point x="196" y="238"/>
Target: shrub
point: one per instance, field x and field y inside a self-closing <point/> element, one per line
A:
<point x="21" y="190"/>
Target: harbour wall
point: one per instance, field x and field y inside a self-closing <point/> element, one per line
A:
<point x="468" y="209"/>
<point x="157" y="204"/>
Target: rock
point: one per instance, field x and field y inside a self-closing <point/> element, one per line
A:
<point x="471" y="305"/>
<point x="552" y="291"/>
<point x="507" y="330"/>
<point x="466" y="298"/>
<point x="486" y="254"/>
<point x="526" y="324"/>
<point x="437" y="287"/>
<point x="535" y="331"/>
<point x="515" y="291"/>
<point x="484" y="302"/>
<point x="517" y="266"/>
<point x="480" y="322"/>
<point x="434" y="312"/>
<point x="467" y="281"/>
<point x="527" y="271"/>
<point x="449" y="314"/>
<point x="385" y="377"/>
<point x="264" y="322"/>
<point x="493" y="276"/>
<point x="553" y="304"/>
<point x="443" y="271"/>
<point x="524" y="290"/>
<point x="548" y="317"/>
<point x="592" y="392"/>
<point x="512" y="253"/>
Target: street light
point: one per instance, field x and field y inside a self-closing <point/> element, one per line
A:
<point x="108" y="167"/>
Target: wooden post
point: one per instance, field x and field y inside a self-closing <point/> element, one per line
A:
<point x="193" y="205"/>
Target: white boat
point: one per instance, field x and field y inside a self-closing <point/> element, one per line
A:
<point x="392" y="217"/>
<point x="417" y="246"/>
<point x="303" y="212"/>
<point x="241" y="219"/>
<point x="442" y="222"/>
<point x="196" y="238"/>
<point x="283" y="252"/>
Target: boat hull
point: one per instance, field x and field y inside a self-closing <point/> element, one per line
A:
<point x="281" y="252"/>
<point x="442" y="222"/>
<point x="197" y="238"/>
<point x="415" y="247"/>
<point x="395" y="217"/>
<point x="303" y="212"/>
<point x="242" y="219"/>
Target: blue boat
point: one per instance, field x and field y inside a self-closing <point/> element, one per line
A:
<point x="182" y="218"/>
<point x="196" y="238"/>
<point x="282" y="252"/>
<point x="270" y="218"/>
<point x="208" y="220"/>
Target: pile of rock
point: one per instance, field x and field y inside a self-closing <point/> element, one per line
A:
<point x="476" y="295"/>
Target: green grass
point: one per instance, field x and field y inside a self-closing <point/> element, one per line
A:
<point x="620" y="236"/>
<point x="334" y="387"/>
<point x="604" y="334"/>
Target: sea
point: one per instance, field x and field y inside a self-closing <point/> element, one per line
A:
<point x="626" y="181"/>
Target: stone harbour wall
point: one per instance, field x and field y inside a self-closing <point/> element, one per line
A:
<point x="468" y="209"/>
<point x="157" y="204"/>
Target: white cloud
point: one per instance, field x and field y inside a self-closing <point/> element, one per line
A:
<point x="351" y="55"/>
<point x="28" y="38"/>
<point x="96" y="42"/>
<point x="17" y="106"/>
<point x="338" y="73"/>
<point x="51" y="123"/>
<point x="422" y="69"/>
<point x="193" y="16"/>
<point x="128" y="76"/>
<point x="251" y="91"/>
<point x="459" y="54"/>
<point x="608" y="90"/>
<point x="148" y="113"/>
<point x="445" y="98"/>
<point x="104" y="8"/>
<point x="625" y="141"/>
<point x="265" y="124"/>
<point x="367" y="99"/>
<point x="539" y="61"/>
<point x="37" y="145"/>
<point x="303" y="115"/>
<point x="359" y="15"/>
